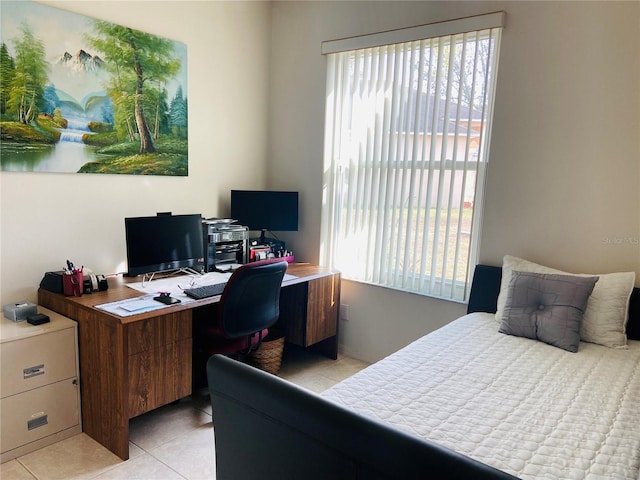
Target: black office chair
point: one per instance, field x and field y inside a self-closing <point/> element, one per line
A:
<point x="249" y="305"/>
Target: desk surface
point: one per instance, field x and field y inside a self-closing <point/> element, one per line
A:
<point x="118" y="291"/>
<point x="131" y="365"/>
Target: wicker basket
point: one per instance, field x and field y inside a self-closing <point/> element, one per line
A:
<point x="268" y="356"/>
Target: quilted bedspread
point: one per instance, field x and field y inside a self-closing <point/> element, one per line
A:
<point x="522" y="406"/>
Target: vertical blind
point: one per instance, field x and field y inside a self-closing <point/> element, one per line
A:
<point x="406" y="148"/>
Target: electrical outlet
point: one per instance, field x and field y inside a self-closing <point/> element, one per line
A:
<point x="344" y="312"/>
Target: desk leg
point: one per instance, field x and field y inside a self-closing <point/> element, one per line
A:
<point x="103" y="382"/>
<point x="328" y="347"/>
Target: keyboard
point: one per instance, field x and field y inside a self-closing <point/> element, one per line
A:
<point x="205" y="291"/>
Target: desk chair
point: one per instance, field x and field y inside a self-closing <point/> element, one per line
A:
<point x="249" y="305"/>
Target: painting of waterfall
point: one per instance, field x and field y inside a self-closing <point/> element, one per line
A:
<point x="84" y="95"/>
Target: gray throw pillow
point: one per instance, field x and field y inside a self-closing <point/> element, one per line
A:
<point x="547" y="307"/>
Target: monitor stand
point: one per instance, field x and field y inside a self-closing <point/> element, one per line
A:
<point x="264" y="240"/>
<point x="276" y="246"/>
<point x="148" y="277"/>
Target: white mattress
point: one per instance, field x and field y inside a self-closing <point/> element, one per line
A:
<point x="522" y="406"/>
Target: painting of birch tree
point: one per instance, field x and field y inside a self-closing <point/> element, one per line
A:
<point x="84" y="95"/>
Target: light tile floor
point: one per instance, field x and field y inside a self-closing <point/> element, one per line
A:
<point x="172" y="442"/>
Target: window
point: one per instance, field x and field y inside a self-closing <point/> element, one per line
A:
<point x="406" y="149"/>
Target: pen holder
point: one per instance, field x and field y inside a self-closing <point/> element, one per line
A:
<point x="72" y="284"/>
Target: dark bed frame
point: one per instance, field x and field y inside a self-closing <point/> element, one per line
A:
<point x="268" y="428"/>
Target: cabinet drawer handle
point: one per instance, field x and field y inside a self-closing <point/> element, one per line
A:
<point x="40" y="421"/>
<point x="33" y="371"/>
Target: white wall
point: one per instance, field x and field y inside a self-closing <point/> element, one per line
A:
<point x="46" y="218"/>
<point x="565" y="159"/>
<point x="564" y="171"/>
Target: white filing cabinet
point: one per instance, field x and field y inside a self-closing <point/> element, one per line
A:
<point x="39" y="390"/>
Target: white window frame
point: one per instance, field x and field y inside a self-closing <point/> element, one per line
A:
<point x="354" y="169"/>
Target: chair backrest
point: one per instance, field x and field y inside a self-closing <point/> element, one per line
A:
<point x="250" y="301"/>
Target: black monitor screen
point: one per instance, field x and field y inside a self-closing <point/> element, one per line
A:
<point x="164" y="242"/>
<point x="265" y="210"/>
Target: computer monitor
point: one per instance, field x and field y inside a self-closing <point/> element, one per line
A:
<point x="164" y="242"/>
<point x="265" y="210"/>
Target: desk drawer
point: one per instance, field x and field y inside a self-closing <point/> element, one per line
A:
<point x="40" y="360"/>
<point x="35" y="414"/>
<point x="159" y="376"/>
<point x="158" y="331"/>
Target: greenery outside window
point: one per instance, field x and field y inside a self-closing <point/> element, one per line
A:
<point x="406" y="147"/>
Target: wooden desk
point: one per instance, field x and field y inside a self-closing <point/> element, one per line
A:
<point x="131" y="365"/>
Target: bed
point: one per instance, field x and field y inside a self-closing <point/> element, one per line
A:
<point x="470" y="400"/>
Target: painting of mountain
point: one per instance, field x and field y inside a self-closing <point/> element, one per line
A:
<point x="82" y="95"/>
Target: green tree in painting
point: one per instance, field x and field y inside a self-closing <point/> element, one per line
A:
<point x="7" y="72"/>
<point x="122" y="97"/>
<point x="161" y="117"/>
<point x="26" y="88"/>
<point x="136" y="59"/>
<point x="178" y="114"/>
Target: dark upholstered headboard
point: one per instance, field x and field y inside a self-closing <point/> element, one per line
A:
<point x="268" y="428"/>
<point x="486" y="287"/>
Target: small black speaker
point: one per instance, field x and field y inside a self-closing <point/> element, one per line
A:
<point x="52" y="281"/>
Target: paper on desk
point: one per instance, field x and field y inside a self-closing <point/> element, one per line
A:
<point x="132" y="306"/>
<point x="140" y="303"/>
<point x="173" y="285"/>
<point x="176" y="285"/>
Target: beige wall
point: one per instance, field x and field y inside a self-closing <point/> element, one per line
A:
<point x="564" y="172"/>
<point x="565" y="158"/>
<point x="49" y="217"/>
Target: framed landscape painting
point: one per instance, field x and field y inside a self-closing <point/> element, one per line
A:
<point x="83" y="95"/>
